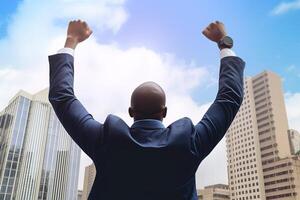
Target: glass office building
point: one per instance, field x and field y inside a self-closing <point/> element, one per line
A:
<point x="38" y="159"/>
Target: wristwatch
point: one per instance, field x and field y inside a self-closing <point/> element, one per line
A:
<point x="225" y="42"/>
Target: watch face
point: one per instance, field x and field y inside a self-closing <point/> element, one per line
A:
<point x="228" y="41"/>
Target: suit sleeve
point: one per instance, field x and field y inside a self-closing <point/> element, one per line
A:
<point x="79" y="124"/>
<point x="214" y="124"/>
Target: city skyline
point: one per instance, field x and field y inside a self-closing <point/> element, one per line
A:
<point x="135" y="41"/>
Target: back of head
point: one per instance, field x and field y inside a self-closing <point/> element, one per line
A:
<point x="148" y="102"/>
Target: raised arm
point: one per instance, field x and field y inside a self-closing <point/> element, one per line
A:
<point x="80" y="125"/>
<point x="213" y="126"/>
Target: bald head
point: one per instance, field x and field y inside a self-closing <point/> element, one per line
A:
<point x="148" y="102"/>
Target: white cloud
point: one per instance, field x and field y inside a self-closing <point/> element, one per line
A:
<point x="290" y="68"/>
<point x="285" y="7"/>
<point x="293" y="70"/>
<point x="292" y="101"/>
<point x="37" y="23"/>
<point x="105" y="75"/>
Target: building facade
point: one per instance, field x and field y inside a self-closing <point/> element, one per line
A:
<point x="243" y="151"/>
<point x="294" y="138"/>
<point x="258" y="142"/>
<point x="89" y="177"/>
<point x="38" y="159"/>
<point x="79" y="195"/>
<point x="282" y="179"/>
<point x="214" y="192"/>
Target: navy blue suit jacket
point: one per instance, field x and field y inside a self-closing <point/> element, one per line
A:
<point x="145" y="161"/>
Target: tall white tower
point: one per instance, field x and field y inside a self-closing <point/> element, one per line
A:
<point x="38" y="159"/>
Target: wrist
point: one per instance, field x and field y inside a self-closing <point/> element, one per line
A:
<point x="225" y="42"/>
<point x="222" y="47"/>
<point x="71" y="42"/>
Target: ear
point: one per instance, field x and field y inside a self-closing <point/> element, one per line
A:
<point x="165" y="112"/>
<point x="130" y="111"/>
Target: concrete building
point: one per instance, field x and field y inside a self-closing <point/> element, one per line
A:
<point x="89" y="177"/>
<point x="214" y="192"/>
<point x="79" y="195"/>
<point x="282" y="179"/>
<point x="294" y="138"/>
<point x="257" y="141"/>
<point x="243" y="151"/>
<point x="38" y="159"/>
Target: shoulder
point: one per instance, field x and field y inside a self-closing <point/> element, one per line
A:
<point x="180" y="134"/>
<point x="182" y="124"/>
<point x="114" y="122"/>
<point x="114" y="128"/>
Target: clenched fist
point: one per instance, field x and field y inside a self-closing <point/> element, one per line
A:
<point x="78" y="31"/>
<point x="215" y="31"/>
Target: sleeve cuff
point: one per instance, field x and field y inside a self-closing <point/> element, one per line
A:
<point x="226" y="52"/>
<point x="67" y="51"/>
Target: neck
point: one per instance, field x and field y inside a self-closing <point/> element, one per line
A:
<point x="143" y="118"/>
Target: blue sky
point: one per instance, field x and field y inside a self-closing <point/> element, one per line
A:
<point x="138" y="40"/>
<point x="264" y="40"/>
<point x="8" y="7"/>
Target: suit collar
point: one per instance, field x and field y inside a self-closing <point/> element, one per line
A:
<point x="148" y="124"/>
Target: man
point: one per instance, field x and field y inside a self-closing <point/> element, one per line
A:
<point x="145" y="161"/>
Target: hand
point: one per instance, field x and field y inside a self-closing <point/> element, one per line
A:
<point x="215" y="31"/>
<point x="78" y="31"/>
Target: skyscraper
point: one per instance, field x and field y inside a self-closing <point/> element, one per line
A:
<point x="257" y="142"/>
<point x="79" y="195"/>
<point x="89" y="177"/>
<point x="38" y="159"/>
<point x="294" y="137"/>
